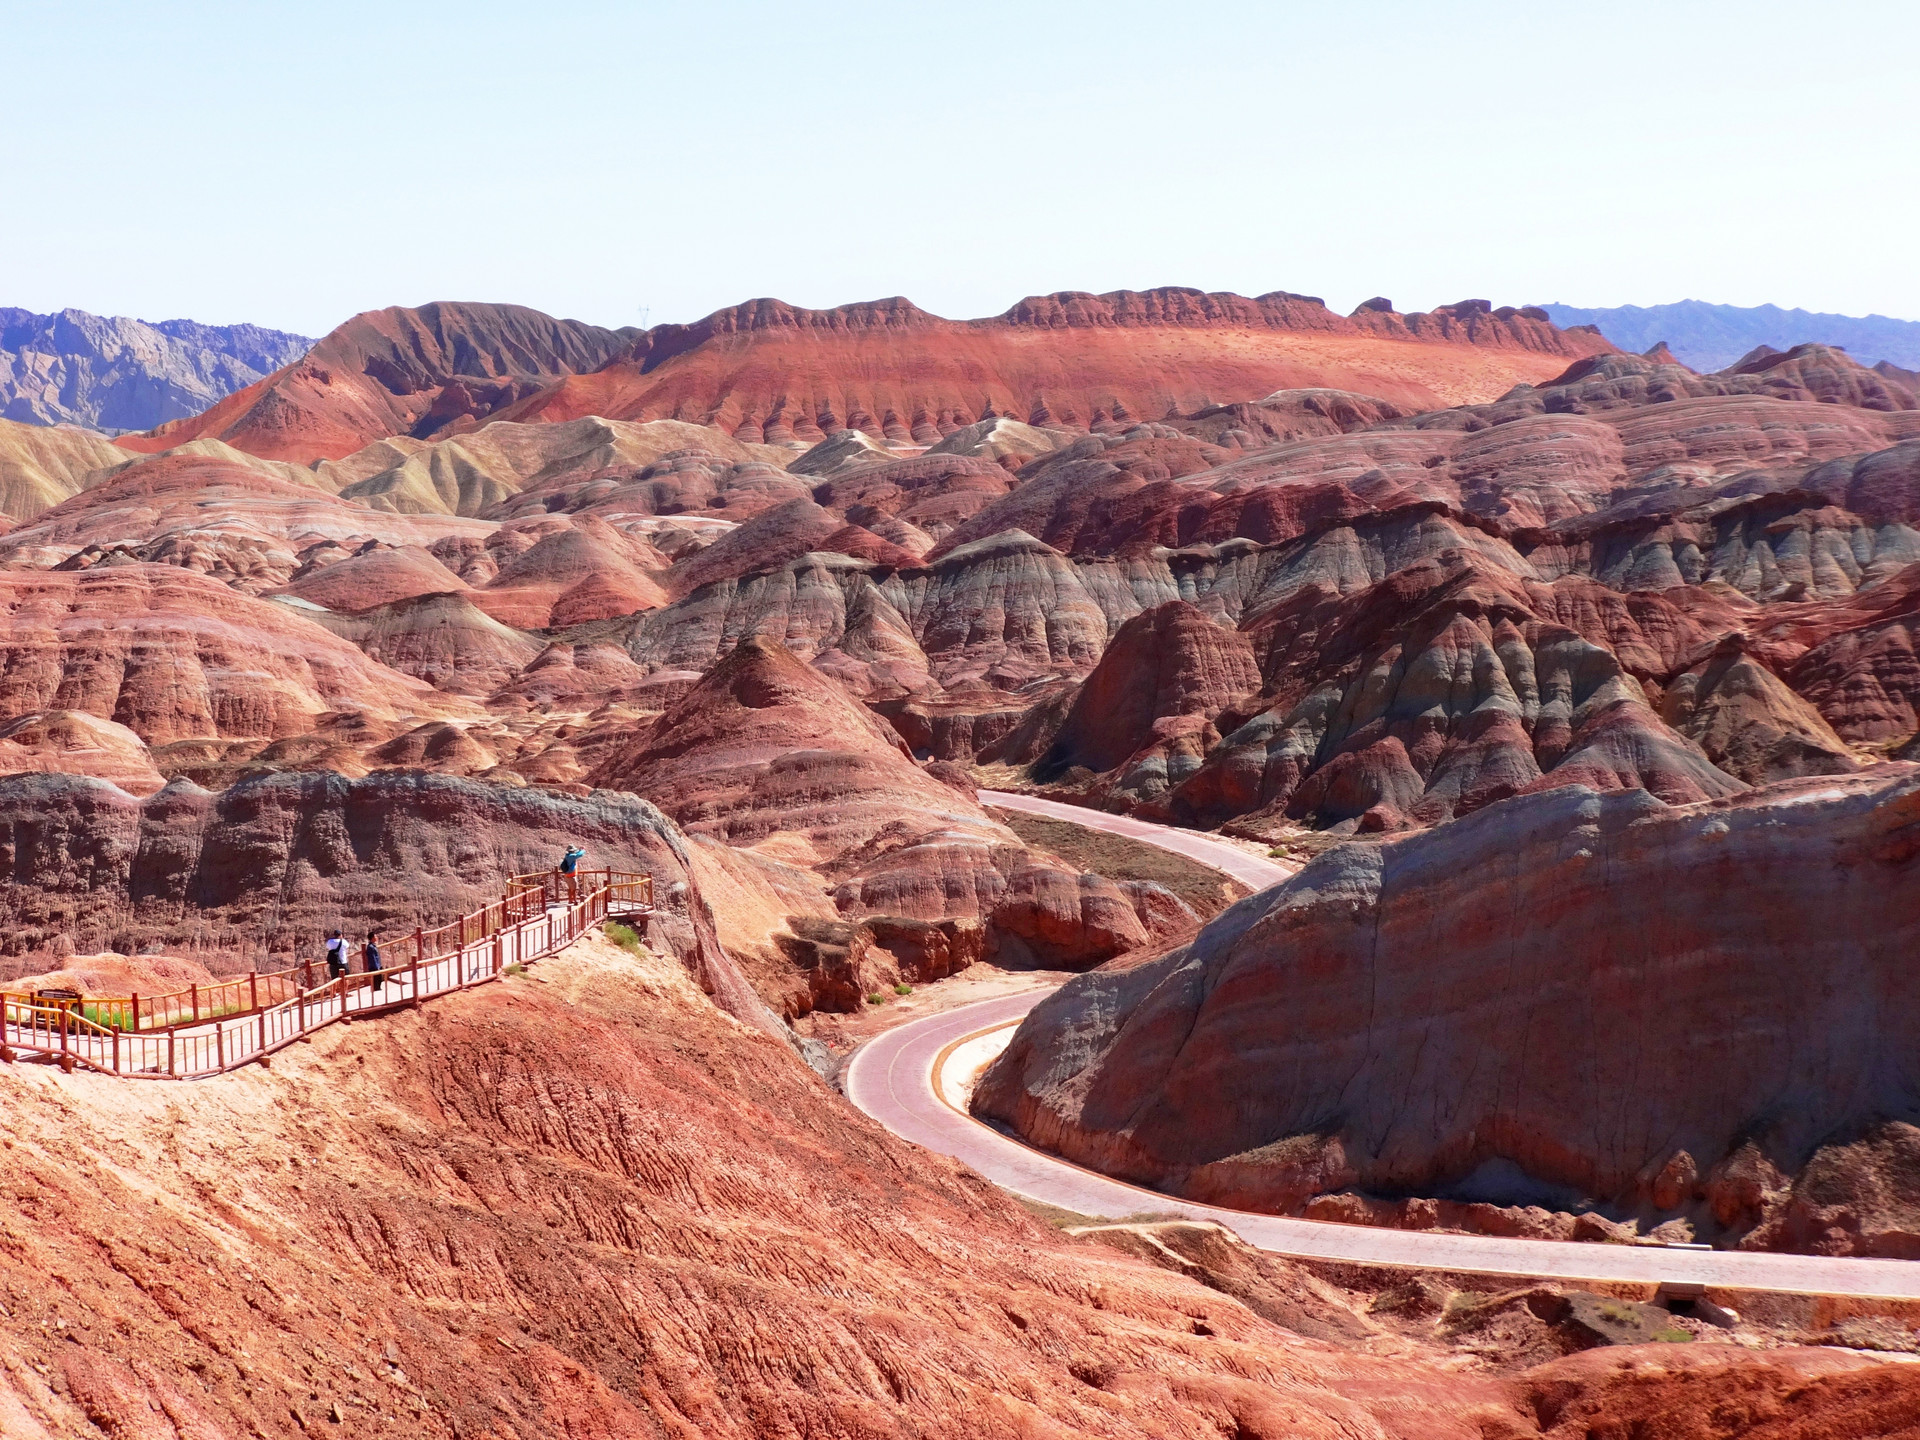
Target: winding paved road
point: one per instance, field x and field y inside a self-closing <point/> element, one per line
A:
<point x="1247" y="868"/>
<point x="893" y="1078"/>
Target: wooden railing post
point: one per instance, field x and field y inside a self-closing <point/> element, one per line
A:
<point x="522" y="916"/>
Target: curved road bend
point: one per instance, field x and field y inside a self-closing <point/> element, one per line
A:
<point x="892" y="1079"/>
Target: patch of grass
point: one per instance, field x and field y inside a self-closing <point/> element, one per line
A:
<point x="1460" y="1304"/>
<point x="1674" y="1337"/>
<point x="1055" y="1216"/>
<point x="625" y="936"/>
<point x="903" y="989"/>
<point x="516" y="968"/>
<point x="1118" y="858"/>
<point x="876" y="998"/>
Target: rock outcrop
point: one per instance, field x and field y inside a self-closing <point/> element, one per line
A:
<point x="40" y="465"/>
<point x="265" y="867"/>
<point x="1464" y="1014"/>
<point x="418" y="372"/>
<point x="1143" y="717"/>
<point x="770" y="372"/>
<point x="113" y="373"/>
<point x="173" y="655"/>
<point x="767" y="754"/>
<point x="1448" y="685"/>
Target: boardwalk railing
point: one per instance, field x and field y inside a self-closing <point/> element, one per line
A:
<point x="220" y="1027"/>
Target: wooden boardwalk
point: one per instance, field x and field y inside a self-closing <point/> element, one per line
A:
<point x="212" y="1029"/>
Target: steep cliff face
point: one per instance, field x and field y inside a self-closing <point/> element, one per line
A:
<point x="1662" y="1011"/>
<point x="114" y="374"/>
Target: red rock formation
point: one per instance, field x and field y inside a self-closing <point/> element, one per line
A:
<point x="173" y="655"/>
<point x="253" y="530"/>
<point x="266" y="866"/>
<point x="372" y="575"/>
<point x="72" y="742"/>
<point x="1859" y="667"/>
<point x="584" y="571"/>
<point x="768" y="541"/>
<point x="1461" y="1014"/>
<point x="1748" y="722"/>
<point x="616" y="1148"/>
<point x="995" y="615"/>
<point x="768" y="372"/>
<point x="1144" y="716"/>
<point x="684" y="1234"/>
<point x="446" y="640"/>
<point x="767" y="753"/>
<point x="399" y="371"/>
<point x="688" y="481"/>
<point x="1440" y="690"/>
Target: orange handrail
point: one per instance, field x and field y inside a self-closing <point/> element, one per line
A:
<point x="538" y="915"/>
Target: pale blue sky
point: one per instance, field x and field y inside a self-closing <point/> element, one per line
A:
<point x="293" y="164"/>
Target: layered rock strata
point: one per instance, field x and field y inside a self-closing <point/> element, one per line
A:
<point x="1573" y="999"/>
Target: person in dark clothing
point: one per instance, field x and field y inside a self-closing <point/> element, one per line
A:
<point x="370" y="959"/>
<point x="337" y="963"/>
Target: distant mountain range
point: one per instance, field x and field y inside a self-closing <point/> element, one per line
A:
<point x="1712" y="337"/>
<point x="115" y="374"/>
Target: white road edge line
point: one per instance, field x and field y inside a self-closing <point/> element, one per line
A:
<point x="923" y="1115"/>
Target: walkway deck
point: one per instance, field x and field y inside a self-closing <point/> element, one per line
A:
<point x="539" y="915"/>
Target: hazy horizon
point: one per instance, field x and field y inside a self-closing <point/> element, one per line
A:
<point x="614" y="164"/>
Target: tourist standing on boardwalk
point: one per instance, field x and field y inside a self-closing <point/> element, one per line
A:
<point x="337" y="964"/>
<point x="370" y="960"/>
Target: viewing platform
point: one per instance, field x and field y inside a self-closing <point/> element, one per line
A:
<point x="208" y="1030"/>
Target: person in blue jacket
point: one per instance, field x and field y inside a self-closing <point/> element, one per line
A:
<point x="568" y="863"/>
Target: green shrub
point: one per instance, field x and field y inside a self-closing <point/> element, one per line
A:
<point x="625" y="936"/>
<point x="516" y="968"/>
<point x="876" y="998"/>
<point x="903" y="989"/>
